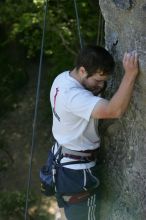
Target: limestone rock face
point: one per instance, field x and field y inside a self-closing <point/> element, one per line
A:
<point x="124" y="4"/>
<point x="124" y="140"/>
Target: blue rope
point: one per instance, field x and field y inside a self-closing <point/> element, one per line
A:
<point x="100" y="29"/>
<point x="36" y="110"/>
<point x="78" y="24"/>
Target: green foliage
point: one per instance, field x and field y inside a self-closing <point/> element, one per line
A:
<point x="24" y="21"/>
<point x="12" y="204"/>
<point x="12" y="207"/>
<point x="21" y="23"/>
<point x="6" y="159"/>
<point x="13" y="78"/>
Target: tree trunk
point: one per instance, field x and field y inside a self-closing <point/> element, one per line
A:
<point x="123" y="170"/>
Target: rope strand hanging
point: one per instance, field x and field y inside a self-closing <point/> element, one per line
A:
<point x="36" y="110"/>
<point x="100" y="27"/>
<point x="100" y="30"/>
<point x="78" y="24"/>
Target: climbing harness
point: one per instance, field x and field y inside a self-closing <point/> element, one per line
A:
<point x="55" y="170"/>
<point x="88" y="155"/>
<point x="36" y="111"/>
<point x="78" y="197"/>
<point x="49" y="171"/>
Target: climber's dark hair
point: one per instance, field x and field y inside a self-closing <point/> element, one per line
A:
<point x="95" y="58"/>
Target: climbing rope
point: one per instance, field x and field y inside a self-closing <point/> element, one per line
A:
<point x="78" y="24"/>
<point x="36" y="110"/>
<point x="100" y="29"/>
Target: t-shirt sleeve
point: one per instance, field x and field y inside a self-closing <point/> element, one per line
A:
<point x="81" y="102"/>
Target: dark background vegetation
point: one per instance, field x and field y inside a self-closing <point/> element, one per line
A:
<point x="21" y="24"/>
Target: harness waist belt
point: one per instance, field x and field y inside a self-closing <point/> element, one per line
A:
<point x="79" y="155"/>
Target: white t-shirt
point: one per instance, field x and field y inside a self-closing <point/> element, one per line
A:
<point x="72" y="105"/>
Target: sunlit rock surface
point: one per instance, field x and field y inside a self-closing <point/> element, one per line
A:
<point x="123" y="171"/>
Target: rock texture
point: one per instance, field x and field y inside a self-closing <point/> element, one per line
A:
<point x="123" y="170"/>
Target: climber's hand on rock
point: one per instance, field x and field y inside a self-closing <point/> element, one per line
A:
<point x="130" y="64"/>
